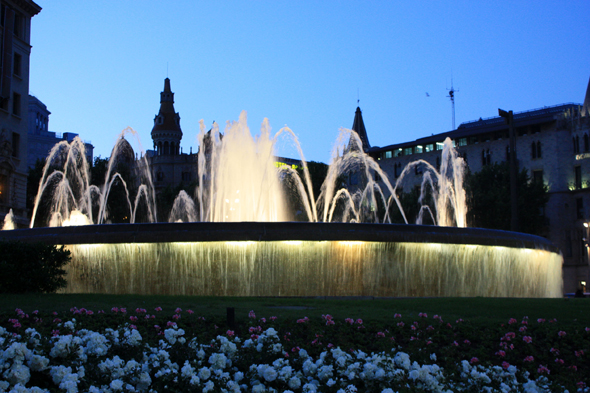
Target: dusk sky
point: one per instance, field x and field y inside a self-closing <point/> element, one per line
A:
<point x="100" y="66"/>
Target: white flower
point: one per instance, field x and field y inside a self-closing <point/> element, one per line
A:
<point x="204" y="373"/>
<point x="294" y="383"/>
<point x="116" y="384"/>
<point x="217" y="361"/>
<point x="270" y="374"/>
<point x="18" y="373"/>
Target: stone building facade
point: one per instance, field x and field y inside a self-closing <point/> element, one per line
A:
<point x="15" y="40"/>
<point x="552" y="143"/>
<point x="40" y="139"/>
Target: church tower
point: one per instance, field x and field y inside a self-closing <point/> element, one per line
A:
<point x="166" y="133"/>
<point x="358" y="126"/>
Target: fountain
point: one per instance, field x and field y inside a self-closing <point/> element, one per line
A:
<point x="233" y="237"/>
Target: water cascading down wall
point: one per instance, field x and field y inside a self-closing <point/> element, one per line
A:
<point x="303" y="259"/>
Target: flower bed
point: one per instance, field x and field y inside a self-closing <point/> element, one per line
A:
<point x="154" y="350"/>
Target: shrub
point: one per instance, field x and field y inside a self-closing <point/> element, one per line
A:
<point x="32" y="267"/>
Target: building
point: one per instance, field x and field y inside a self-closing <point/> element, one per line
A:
<point x="40" y="140"/>
<point x="552" y="143"/>
<point x="169" y="165"/>
<point x="15" y="39"/>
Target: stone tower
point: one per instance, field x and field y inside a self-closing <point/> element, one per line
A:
<point x="166" y="133"/>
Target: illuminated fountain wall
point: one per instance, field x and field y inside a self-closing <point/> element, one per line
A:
<point x="304" y="259"/>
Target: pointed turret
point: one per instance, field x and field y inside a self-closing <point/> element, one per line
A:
<point x="166" y="133"/>
<point x="359" y="127"/>
<point x="586" y="106"/>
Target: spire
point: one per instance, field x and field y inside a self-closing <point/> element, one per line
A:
<point x="586" y="106"/>
<point x="166" y="133"/>
<point x="359" y="127"/>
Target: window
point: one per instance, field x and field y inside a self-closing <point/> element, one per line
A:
<point x="576" y="141"/>
<point x="579" y="208"/>
<point x="16" y="104"/>
<point x="429" y="147"/>
<point x="398" y="152"/>
<point x="533" y="150"/>
<point x="388" y="154"/>
<point x="419" y="149"/>
<point x="578" y="177"/>
<point x="18" y="25"/>
<point x="486" y="157"/>
<point x="396" y="169"/>
<point x="462" y="142"/>
<point x="439" y="145"/>
<point x="538" y="176"/>
<point x="17" y="64"/>
<point x="15" y="144"/>
<point x="538" y="149"/>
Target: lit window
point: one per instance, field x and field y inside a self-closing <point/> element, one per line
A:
<point x="419" y="149"/>
<point x="388" y="154"/>
<point x="407" y="151"/>
<point x="462" y="142"/>
<point x="429" y="147"/>
<point x="439" y="145"/>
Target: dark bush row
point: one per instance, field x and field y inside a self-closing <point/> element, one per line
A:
<point x="32" y="267"/>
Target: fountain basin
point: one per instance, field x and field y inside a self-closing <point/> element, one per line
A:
<point x="303" y="259"/>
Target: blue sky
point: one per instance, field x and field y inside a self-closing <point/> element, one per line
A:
<point x="100" y="66"/>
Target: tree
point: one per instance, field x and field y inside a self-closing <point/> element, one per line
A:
<point x="488" y="200"/>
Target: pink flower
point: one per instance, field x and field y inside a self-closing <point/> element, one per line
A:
<point x="554" y="351"/>
<point x="54" y="333"/>
<point x="115" y="309"/>
<point x="579" y="353"/>
<point x="467" y="342"/>
<point x="527" y="339"/>
<point x="273" y="318"/>
<point x="474" y="360"/>
<point x="178" y="310"/>
<point x="380" y="334"/>
<point x="133" y="327"/>
<point x="123" y="310"/>
<point x="522" y="329"/>
<point x="561" y="333"/>
<point x="400" y="324"/>
<point x="158" y="309"/>
<point x="263" y="320"/>
<point x="303" y="320"/>
<point x="501" y="353"/>
<point x="133" y="318"/>
<point x="455" y="343"/>
<point x="559" y="361"/>
<point x="157" y="327"/>
<point x="176" y="316"/>
<point x="543" y="369"/>
<point x="541" y="320"/>
<point x="505" y="365"/>
<point x="413" y="327"/>
<point x="56" y="320"/>
<point x="170" y="324"/>
<point x="587" y="330"/>
<point x="397" y="315"/>
<point x="529" y="359"/>
<point x="251" y="314"/>
<point x="511" y="321"/>
<point x="458" y="320"/>
<point x="423" y="315"/>
<point x="581" y="385"/>
<point x="191" y="312"/>
<point x="359" y="321"/>
<point x="230" y="333"/>
<point x="349" y="320"/>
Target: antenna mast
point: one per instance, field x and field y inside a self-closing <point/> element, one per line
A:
<point x="452" y="97"/>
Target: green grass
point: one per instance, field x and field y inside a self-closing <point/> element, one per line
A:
<point x="569" y="312"/>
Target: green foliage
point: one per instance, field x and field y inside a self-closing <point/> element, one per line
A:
<point x="488" y="199"/>
<point x="32" y="267"/>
